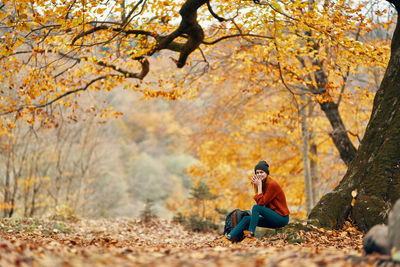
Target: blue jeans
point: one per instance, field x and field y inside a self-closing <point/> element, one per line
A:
<point x="268" y="219"/>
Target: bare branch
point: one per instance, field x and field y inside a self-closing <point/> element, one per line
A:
<point x="103" y="27"/>
<point x="143" y="61"/>
<point x="286" y="85"/>
<point x="145" y="69"/>
<point x="345" y="77"/>
<point x="62" y="72"/>
<point x="204" y="56"/>
<point x="220" y="19"/>
<point x="237" y="35"/>
<point x="356" y="135"/>
<point x="69" y="9"/>
<point x="15" y="53"/>
<point x="57" y="98"/>
<point x="104" y="22"/>
<point x="71" y="92"/>
<point x="118" y="30"/>
<point x="140" y="32"/>
<point x="127" y="19"/>
<point x="44" y="37"/>
<point x="93" y="30"/>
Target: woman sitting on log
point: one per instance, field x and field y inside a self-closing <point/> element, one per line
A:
<point x="271" y="210"/>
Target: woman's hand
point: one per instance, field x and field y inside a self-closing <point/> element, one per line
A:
<point x="255" y="180"/>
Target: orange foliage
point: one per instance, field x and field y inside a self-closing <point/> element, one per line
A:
<point x="251" y="97"/>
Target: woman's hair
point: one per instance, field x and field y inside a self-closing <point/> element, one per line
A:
<point x="264" y="185"/>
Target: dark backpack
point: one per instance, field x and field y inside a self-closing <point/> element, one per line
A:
<point x="232" y="219"/>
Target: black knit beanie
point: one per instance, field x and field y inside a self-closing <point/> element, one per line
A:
<point x="262" y="165"/>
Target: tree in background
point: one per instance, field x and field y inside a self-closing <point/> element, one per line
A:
<point x="198" y="219"/>
<point x="94" y="169"/>
<point x="44" y="171"/>
<point x="200" y="194"/>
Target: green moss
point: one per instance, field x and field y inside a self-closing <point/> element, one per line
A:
<point x="27" y="225"/>
<point x="291" y="232"/>
<point x="331" y="211"/>
<point x="369" y="211"/>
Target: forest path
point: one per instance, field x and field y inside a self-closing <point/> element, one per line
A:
<point x="129" y="242"/>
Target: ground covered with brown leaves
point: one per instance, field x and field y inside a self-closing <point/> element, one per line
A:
<point x="130" y="242"/>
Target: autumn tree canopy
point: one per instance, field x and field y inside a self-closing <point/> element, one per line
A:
<point x="60" y="48"/>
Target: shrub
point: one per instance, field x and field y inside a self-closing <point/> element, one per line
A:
<point x="148" y="214"/>
<point x="196" y="223"/>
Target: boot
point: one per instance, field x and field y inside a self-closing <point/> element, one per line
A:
<point x="248" y="236"/>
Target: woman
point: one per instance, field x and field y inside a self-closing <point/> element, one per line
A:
<point x="271" y="205"/>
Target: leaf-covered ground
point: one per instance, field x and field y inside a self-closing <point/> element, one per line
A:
<point x="129" y="242"/>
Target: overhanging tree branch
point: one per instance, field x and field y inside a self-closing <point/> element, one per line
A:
<point x="189" y="26"/>
<point x="125" y="23"/>
<point x="236" y="35"/>
<point x="220" y="19"/>
<point x="84" y="88"/>
<point x="143" y="61"/>
<point x="57" y="98"/>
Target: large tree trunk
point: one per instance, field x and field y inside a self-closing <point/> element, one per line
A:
<point x="375" y="170"/>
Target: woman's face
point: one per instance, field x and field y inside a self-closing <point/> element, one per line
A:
<point x="261" y="174"/>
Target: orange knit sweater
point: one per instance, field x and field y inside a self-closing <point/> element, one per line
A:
<point x="274" y="198"/>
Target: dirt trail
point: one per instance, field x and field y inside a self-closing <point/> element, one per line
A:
<point x="128" y="242"/>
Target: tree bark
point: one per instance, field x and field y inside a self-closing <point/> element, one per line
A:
<point x="375" y="169"/>
<point x="305" y="153"/>
<point x="314" y="169"/>
<point x="313" y="157"/>
<point x="6" y="199"/>
<point x="339" y="135"/>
